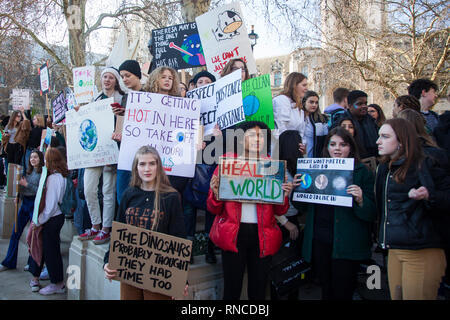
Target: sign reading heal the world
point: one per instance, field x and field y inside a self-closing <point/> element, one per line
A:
<point x="21" y="98"/>
<point x="89" y="132"/>
<point x="224" y="37"/>
<point x="251" y="180"/>
<point x="257" y="100"/>
<point x="325" y="181"/>
<point x="221" y="102"/>
<point x="167" y="123"/>
<point x="149" y="260"/>
<point x="178" y="47"/>
<point x="84" y="83"/>
<point x="59" y="107"/>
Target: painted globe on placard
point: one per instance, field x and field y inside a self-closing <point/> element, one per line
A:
<point x="87" y="135"/>
<point x="305" y="181"/>
<point x="251" y="105"/>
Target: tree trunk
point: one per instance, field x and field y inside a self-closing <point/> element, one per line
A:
<point x="194" y="8"/>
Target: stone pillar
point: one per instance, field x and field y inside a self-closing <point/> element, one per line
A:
<point x="7" y="215"/>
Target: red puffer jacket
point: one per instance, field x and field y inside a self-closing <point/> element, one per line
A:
<point x="225" y="229"/>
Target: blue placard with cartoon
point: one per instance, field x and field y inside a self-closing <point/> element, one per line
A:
<point x="325" y="181"/>
<point x="178" y="47"/>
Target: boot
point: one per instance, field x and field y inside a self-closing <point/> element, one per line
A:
<point x="210" y="256"/>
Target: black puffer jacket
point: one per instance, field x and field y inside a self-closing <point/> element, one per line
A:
<point x="404" y="223"/>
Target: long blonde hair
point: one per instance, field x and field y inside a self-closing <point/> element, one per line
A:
<point x="162" y="183"/>
<point x="152" y="84"/>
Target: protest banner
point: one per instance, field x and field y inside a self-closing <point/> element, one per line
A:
<point x="251" y="180"/>
<point x="325" y="181"/>
<point x="12" y="180"/>
<point x="221" y="102"/>
<point x="59" y="108"/>
<point x="37" y="200"/>
<point x="257" y="100"/>
<point x="84" y="83"/>
<point x="224" y="37"/>
<point x="149" y="260"/>
<point x="44" y="78"/>
<point x="178" y="47"/>
<point x="167" y="123"/>
<point x="70" y="98"/>
<point x="89" y="134"/>
<point x="21" y="98"/>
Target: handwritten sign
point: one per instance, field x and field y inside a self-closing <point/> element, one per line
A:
<point x="167" y="123"/>
<point x="89" y="132"/>
<point x="224" y="37"/>
<point x="44" y="79"/>
<point x="325" y="181"/>
<point x="40" y="189"/>
<point x="150" y="260"/>
<point x="178" y="47"/>
<point x="70" y="99"/>
<point x="59" y="107"/>
<point x="251" y="180"/>
<point x="21" y="98"/>
<point x="221" y="102"/>
<point x="257" y="100"/>
<point x="84" y="83"/>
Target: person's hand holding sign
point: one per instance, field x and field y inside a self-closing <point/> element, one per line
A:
<point x="297" y="180"/>
<point x="356" y="192"/>
<point x="287" y="186"/>
<point x="214" y="185"/>
<point x="109" y="274"/>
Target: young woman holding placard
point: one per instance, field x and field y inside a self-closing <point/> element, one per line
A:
<point x="247" y="233"/>
<point x="149" y="191"/>
<point x="337" y="238"/>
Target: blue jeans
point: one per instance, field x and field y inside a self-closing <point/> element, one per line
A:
<point x="24" y="216"/>
<point x="123" y="182"/>
<point x="190" y="219"/>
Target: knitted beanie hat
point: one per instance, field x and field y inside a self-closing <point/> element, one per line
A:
<point x="131" y="66"/>
<point x="203" y="74"/>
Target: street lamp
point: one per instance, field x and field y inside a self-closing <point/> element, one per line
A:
<point x="253" y="37"/>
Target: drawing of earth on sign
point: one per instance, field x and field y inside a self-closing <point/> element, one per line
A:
<point x="228" y="24"/>
<point x="193" y="51"/>
<point x="305" y="181"/>
<point x="87" y="135"/>
<point x="251" y="105"/>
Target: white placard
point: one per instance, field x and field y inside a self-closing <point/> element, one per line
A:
<point x="44" y="79"/>
<point x="84" y="84"/>
<point x="169" y="124"/>
<point x="221" y="102"/>
<point x="21" y="98"/>
<point x="89" y="132"/>
<point x="224" y="37"/>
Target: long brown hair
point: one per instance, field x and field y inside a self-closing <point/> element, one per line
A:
<point x="418" y="122"/>
<point x="292" y="80"/>
<point x="41" y="163"/>
<point x="152" y="84"/>
<point x="55" y="162"/>
<point x="409" y="148"/>
<point x="229" y="66"/>
<point x="317" y="115"/>
<point x="12" y="118"/>
<point x="347" y="137"/>
<point x="381" y="117"/>
<point x="162" y="183"/>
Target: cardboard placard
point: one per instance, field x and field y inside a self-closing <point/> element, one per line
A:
<point x="150" y="260"/>
<point x="84" y="84"/>
<point x="325" y="181"/>
<point x="44" y="79"/>
<point x="178" y="47"/>
<point x="71" y="102"/>
<point x="221" y="102"/>
<point x="21" y="98"/>
<point x="59" y="108"/>
<point x="224" y="37"/>
<point x="89" y="133"/>
<point x="257" y="100"/>
<point x="169" y="124"/>
<point x="14" y="175"/>
<point x="251" y="180"/>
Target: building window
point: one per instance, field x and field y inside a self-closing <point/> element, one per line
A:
<point x="277" y="79"/>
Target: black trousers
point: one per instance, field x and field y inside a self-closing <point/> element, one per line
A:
<point x="338" y="277"/>
<point x="14" y="153"/>
<point x="248" y="255"/>
<point x="51" y="251"/>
